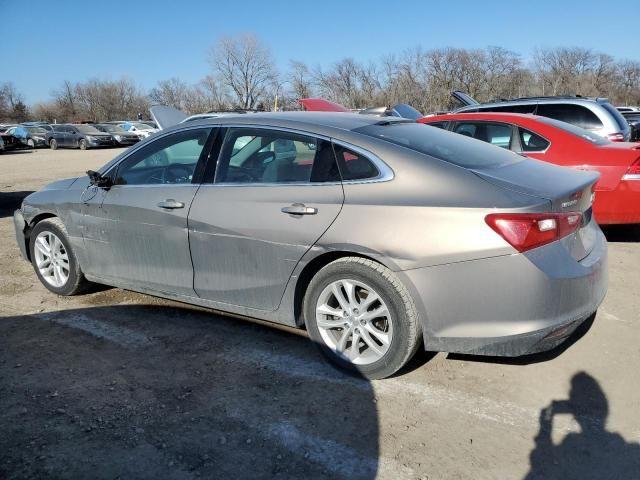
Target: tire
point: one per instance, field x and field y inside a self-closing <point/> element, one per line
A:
<point x="75" y="282"/>
<point x="400" y="328"/>
<point x="31" y="143"/>
<point x="53" y="144"/>
<point x="83" y="144"/>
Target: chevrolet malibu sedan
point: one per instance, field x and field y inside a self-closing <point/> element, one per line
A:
<point x="377" y="235"/>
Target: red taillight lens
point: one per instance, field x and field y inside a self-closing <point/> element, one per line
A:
<point x="524" y="231"/>
<point x="616" y="137"/>
<point x="633" y="172"/>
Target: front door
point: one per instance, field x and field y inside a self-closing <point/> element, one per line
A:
<point x="136" y="231"/>
<point x="275" y="193"/>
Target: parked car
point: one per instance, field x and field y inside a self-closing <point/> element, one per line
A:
<point x="594" y="114"/>
<point x="401" y="110"/>
<point x="633" y="119"/>
<point x="10" y="142"/>
<point x="142" y="130"/>
<point x="628" y="109"/>
<point x="120" y="136"/>
<point x="377" y="235"/>
<point x="560" y="143"/>
<point x="78" y="136"/>
<point x="34" y="137"/>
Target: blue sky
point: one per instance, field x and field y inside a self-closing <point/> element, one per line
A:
<point x="151" y="40"/>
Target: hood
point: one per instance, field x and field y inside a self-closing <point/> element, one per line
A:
<point x="61" y="184"/>
<point x="166" y="117"/>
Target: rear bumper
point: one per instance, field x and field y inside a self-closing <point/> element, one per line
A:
<point x="618" y="206"/>
<point x="20" y="227"/>
<point x="510" y="305"/>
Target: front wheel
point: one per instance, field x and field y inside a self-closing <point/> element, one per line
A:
<point x="83" y="144"/>
<point x="362" y="317"/>
<point x="31" y="143"/>
<point x="53" y="260"/>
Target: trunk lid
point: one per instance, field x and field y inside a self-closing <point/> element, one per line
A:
<point x="166" y="117"/>
<point x="566" y="189"/>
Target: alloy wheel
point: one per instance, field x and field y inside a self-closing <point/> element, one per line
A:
<point x="354" y="321"/>
<point x="52" y="259"/>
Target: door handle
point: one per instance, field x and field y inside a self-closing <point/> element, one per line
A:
<point x="170" y="204"/>
<point x="299" y="209"/>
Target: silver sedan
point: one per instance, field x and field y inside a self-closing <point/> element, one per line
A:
<point x="378" y="236"/>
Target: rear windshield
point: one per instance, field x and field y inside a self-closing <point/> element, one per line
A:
<point x="577" y="131"/>
<point x="620" y="120"/>
<point x="447" y="146"/>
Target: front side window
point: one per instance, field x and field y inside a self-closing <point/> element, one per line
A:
<point x="494" y="133"/>
<point x="255" y="155"/>
<point x="171" y="159"/>
<point x="531" y="142"/>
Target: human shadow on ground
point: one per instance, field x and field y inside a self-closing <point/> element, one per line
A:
<point x="149" y="391"/>
<point x="594" y="452"/>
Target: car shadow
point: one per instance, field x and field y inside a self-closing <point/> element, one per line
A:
<point x="17" y="152"/>
<point x="9" y="201"/>
<point x="541" y="357"/>
<point x="593" y="452"/>
<point x="621" y="233"/>
<point x="151" y="391"/>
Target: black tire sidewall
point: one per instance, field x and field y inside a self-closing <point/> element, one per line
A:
<point x="397" y="352"/>
<point x="74" y="270"/>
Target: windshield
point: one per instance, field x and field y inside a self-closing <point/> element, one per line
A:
<point x="87" y="129"/>
<point x="617" y="116"/>
<point x="37" y="130"/>
<point x="437" y="143"/>
<point x="573" y="130"/>
<point x="141" y="126"/>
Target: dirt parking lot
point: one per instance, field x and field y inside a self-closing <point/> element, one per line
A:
<point x="118" y="385"/>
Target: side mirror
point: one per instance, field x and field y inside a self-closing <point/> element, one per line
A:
<point x="99" y="180"/>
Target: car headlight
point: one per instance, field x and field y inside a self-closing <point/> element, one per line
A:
<point x="39" y="139"/>
<point x="117" y="137"/>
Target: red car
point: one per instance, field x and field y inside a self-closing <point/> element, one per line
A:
<point x="618" y="190"/>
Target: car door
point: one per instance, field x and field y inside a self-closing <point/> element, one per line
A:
<point x="275" y="193"/>
<point x="63" y="135"/>
<point x="135" y="232"/>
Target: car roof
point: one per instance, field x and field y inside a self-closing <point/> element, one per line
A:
<point x="504" y="116"/>
<point x="314" y="120"/>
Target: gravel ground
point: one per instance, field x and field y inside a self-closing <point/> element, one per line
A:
<point x="115" y="384"/>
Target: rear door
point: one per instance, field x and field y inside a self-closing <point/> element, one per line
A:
<point x="275" y="193"/>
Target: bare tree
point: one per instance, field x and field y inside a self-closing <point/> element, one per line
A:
<point x="300" y="79"/>
<point x="245" y="66"/>
<point x="172" y="92"/>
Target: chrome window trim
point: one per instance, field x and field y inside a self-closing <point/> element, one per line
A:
<point x="632" y="176"/>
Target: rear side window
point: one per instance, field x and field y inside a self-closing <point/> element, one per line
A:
<point x="574" y="114"/>
<point x="494" y="133"/>
<point x="354" y="166"/>
<point x="258" y="155"/>
<point x="440" y="144"/>
<point x="532" y="142"/>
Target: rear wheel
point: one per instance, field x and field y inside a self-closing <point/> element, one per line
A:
<point x="31" y="143"/>
<point x="53" y="144"/>
<point x="361" y="317"/>
<point x="53" y="260"/>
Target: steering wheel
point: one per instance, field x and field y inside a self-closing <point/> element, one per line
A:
<point x="176" y="173"/>
<point x="241" y="174"/>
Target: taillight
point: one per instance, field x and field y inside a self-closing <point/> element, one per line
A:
<point x="616" y="137"/>
<point x="633" y="172"/>
<point x="524" y="231"/>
